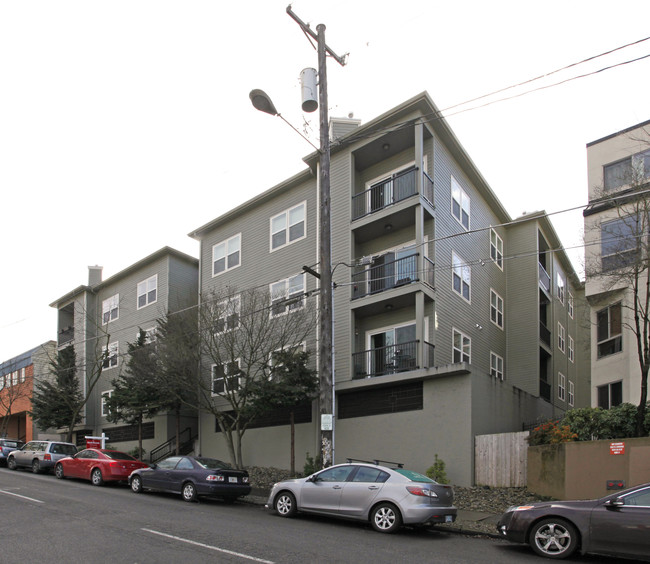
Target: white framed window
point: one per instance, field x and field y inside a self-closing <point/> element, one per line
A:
<point x="635" y="168"/>
<point x="288" y="227"/>
<point x="226" y="255"/>
<point x="621" y="241"/>
<point x="22" y="375"/>
<point x="459" y="203"/>
<point x="569" y="304"/>
<point x="571" y="349"/>
<point x="572" y="393"/>
<point x="461" y="347"/>
<point x="150" y="335"/>
<point x="496" y="248"/>
<point x="226" y="378"/>
<point x="561" y="337"/>
<point x="148" y="291"/>
<point x="496" y="309"/>
<point x="560" y="288"/>
<point x="105" y="397"/>
<point x="111" y="355"/>
<point x="561" y="386"/>
<point x="14" y="378"/>
<point x="609" y="323"/>
<point x="287" y="295"/>
<point x="496" y="365"/>
<point x="110" y="309"/>
<point x="229" y="312"/>
<point x="461" y="276"/>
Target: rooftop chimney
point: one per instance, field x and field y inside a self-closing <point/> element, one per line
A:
<point x="94" y="275"/>
<point x="339" y="127"/>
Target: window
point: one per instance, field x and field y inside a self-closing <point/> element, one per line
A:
<point x="496" y="248"/>
<point x="226" y="255"/>
<point x="393" y="350"/>
<point x="561" y="386"/>
<point x="148" y="291"/>
<point x="336" y="474"/>
<point x="496" y="309"/>
<point x="225" y="378"/>
<point x="365" y="474"/>
<point x="640" y="498"/>
<point x="22" y="375"/>
<point x="288" y="226"/>
<point x="610" y="395"/>
<point x="496" y="366"/>
<point x="619" y="242"/>
<point x="572" y="393"/>
<point x="461" y="276"/>
<point x="110" y="356"/>
<point x="110" y="309"/>
<point x="14" y="378"/>
<point x="229" y="312"/>
<point x="560" y="288"/>
<point x="105" y="397"/>
<point x="561" y="337"/>
<point x="569" y="305"/>
<point x="571" y="348"/>
<point x="459" y="203"/>
<point x="635" y="168"/>
<point x="608" y="330"/>
<point x="287" y="295"/>
<point x="462" y="347"/>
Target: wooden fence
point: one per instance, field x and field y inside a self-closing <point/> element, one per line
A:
<point x="500" y="460"/>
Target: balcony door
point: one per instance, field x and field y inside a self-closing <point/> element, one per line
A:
<point x="391" y="348"/>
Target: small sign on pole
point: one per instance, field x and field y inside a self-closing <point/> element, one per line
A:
<point x="96" y="442"/>
<point x="326" y="422"/>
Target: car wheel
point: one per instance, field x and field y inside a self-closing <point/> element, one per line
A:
<point x="189" y="491"/>
<point x="554" y="538"/>
<point x="136" y="484"/>
<point x="385" y="518"/>
<point x="11" y="463"/>
<point x="285" y="504"/>
<point x="58" y="471"/>
<point x="36" y="466"/>
<point x="96" y="477"/>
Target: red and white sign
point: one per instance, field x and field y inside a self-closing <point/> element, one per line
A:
<point x="617" y="448"/>
<point x="93" y="443"/>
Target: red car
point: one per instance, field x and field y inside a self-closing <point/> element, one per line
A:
<point x="98" y="466"/>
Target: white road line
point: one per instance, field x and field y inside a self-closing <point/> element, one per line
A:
<point x="21" y="496"/>
<point x="239" y="554"/>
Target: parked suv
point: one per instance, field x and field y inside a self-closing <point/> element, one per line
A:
<point x="6" y="446"/>
<point x="40" y="455"/>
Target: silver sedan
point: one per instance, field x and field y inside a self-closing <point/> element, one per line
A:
<point x="386" y="497"/>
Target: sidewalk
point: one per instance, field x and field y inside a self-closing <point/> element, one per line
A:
<point x="467" y="522"/>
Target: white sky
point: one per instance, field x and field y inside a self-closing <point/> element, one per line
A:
<point x="124" y="125"/>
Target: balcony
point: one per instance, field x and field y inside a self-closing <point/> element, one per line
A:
<point x="544" y="390"/>
<point x="545" y="334"/>
<point x="544" y="279"/>
<point x="390" y="359"/>
<point x="398" y="187"/>
<point x="66" y="335"/>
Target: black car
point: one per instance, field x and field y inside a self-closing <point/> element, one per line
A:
<point x="6" y="446"/>
<point x="192" y="476"/>
<point x="615" y="525"/>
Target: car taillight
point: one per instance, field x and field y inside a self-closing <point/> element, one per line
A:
<point x="215" y="478"/>
<point x="424" y="492"/>
<point x="47" y="457"/>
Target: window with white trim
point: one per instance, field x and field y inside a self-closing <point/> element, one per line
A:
<point x="105" y="397"/>
<point x="608" y="330"/>
<point x="111" y="355"/>
<point x="22" y="375"/>
<point x="110" y="309"/>
<point x="571" y="349"/>
<point x="560" y="288"/>
<point x="496" y="365"/>
<point x="496" y="309"/>
<point x="561" y="386"/>
<point x="226" y="378"/>
<point x="226" y="255"/>
<point x="461" y="276"/>
<point x="459" y="203"/>
<point x="228" y="314"/>
<point x="496" y="248"/>
<point x="572" y="394"/>
<point x="635" y="168"/>
<point x="569" y="304"/>
<point x="621" y="241"/>
<point x="288" y="227"/>
<point x="148" y="291"/>
<point x="287" y="295"/>
<point x="461" y="347"/>
<point x="561" y="337"/>
<point x="14" y="378"/>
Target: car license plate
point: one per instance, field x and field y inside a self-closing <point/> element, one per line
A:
<point x="449" y="519"/>
<point x="232" y="479"/>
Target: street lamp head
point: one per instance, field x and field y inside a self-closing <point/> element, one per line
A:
<point x="262" y="102"/>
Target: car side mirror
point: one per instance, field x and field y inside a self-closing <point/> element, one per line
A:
<point x="313" y="478"/>
<point x="153" y="466"/>
<point x="614" y="503"/>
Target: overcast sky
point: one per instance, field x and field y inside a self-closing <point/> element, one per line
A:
<point x="124" y="125"/>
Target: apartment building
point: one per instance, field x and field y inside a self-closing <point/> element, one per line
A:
<point x="104" y="316"/>
<point x="18" y="376"/>
<point x="616" y="231"/>
<point x="450" y="319"/>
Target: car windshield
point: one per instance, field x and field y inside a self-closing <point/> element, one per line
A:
<point x="414" y="476"/>
<point x="117" y="455"/>
<point x="212" y="463"/>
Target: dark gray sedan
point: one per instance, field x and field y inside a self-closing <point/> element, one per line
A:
<point x="191" y="477"/>
<point x="615" y="525"/>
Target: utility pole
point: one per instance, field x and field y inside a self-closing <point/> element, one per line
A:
<point x="325" y="360"/>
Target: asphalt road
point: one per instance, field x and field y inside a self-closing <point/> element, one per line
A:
<point x="50" y="520"/>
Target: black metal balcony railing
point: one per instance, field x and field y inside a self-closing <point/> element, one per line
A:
<point x="384" y="276"/>
<point x="427" y="187"/>
<point x="545" y="390"/>
<point x="429" y="272"/>
<point x="390" y="359"/>
<point x="544" y="278"/>
<point x="383" y="194"/>
<point x="66" y="335"/>
<point x="544" y="334"/>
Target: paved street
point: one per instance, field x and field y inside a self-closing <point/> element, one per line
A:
<point x="49" y="519"/>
